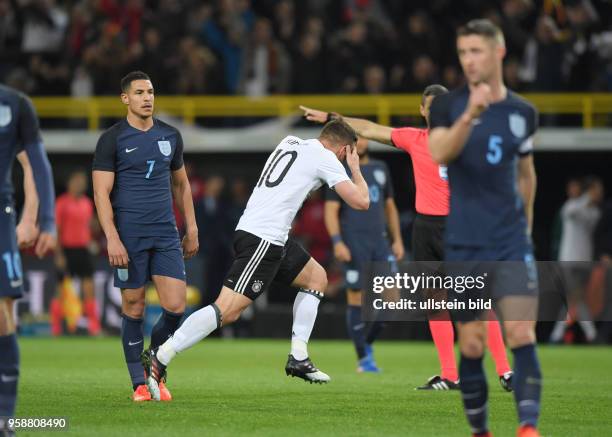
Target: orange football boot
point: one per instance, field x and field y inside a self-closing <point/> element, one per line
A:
<point x="527" y="431"/>
<point x="141" y="394"/>
<point x="164" y="393"/>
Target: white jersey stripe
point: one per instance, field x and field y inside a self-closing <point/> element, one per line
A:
<point x="248" y="266"/>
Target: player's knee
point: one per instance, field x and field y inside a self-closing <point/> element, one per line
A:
<point x="353" y="297"/>
<point x="520" y="334"/>
<point x="7" y="323"/>
<point x="133" y="306"/>
<point x="231" y="315"/>
<point x="175" y="307"/>
<point x="318" y="280"/>
<point x="472" y="348"/>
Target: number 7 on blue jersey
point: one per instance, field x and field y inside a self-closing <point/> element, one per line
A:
<point x="151" y="165"/>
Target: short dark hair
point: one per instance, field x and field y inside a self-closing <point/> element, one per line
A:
<point x="131" y="77"/>
<point x="482" y="27"/>
<point x="433" y="90"/>
<point x="339" y="133"/>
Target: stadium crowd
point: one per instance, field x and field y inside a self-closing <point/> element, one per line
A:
<point x="261" y="47"/>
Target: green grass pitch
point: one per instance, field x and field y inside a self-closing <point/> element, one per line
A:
<point x="240" y="388"/>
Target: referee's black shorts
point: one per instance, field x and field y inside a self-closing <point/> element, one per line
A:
<point x="428" y="237"/>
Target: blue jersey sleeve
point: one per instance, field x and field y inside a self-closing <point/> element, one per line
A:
<point x="439" y="113"/>
<point x="104" y="157"/>
<point x="31" y="141"/>
<point x="177" y="159"/>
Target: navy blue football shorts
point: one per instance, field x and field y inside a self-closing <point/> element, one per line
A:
<point x="507" y="270"/>
<point x="371" y="255"/>
<point x="11" y="274"/>
<point x="161" y="256"/>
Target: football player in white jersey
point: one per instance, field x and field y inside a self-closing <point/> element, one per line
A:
<point x="265" y="253"/>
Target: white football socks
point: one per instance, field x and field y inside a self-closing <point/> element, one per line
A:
<point x="196" y="327"/>
<point x="304" y="316"/>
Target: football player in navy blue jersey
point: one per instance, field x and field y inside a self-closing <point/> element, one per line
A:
<point x="137" y="169"/>
<point x="359" y="238"/>
<point x="484" y="132"/>
<point x="19" y="133"/>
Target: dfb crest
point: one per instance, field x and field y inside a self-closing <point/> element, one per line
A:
<point x="165" y="148"/>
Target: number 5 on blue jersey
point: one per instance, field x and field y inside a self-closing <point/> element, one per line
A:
<point x="494" y="155"/>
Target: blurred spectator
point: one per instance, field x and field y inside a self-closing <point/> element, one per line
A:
<point x="512" y="22"/>
<point x="44" y="27"/>
<point x="451" y="77"/>
<point x="215" y="237"/>
<point x="106" y="38"/>
<point x="573" y="189"/>
<point x="512" y="77"/>
<point x="374" y="80"/>
<point x="308" y="71"/>
<point x="197" y="72"/>
<point x="543" y="57"/>
<point x="423" y="74"/>
<point x="226" y="33"/>
<point x="285" y="24"/>
<point x="74" y="213"/>
<point x="10" y="28"/>
<point x="82" y="83"/>
<point x="51" y="75"/>
<point x="351" y="53"/>
<point x="266" y="68"/>
<point x="580" y="216"/>
<point x="240" y="193"/>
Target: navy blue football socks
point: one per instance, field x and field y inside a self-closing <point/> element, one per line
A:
<point x="527" y="384"/>
<point x="356" y="329"/>
<point x="474" y="392"/>
<point x="9" y="374"/>
<point x="167" y="323"/>
<point x="133" y="344"/>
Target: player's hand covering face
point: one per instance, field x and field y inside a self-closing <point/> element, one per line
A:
<point x="352" y="157"/>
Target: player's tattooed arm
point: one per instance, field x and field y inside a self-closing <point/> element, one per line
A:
<point x="527" y="182"/>
<point x="364" y="128"/>
<point x="103" y="182"/>
<point x="27" y="229"/>
<point x="181" y="191"/>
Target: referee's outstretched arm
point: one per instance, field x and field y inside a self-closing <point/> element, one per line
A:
<point x="364" y="128"/>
